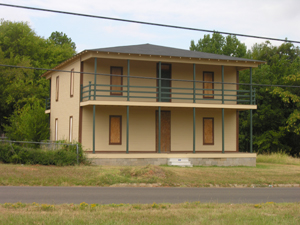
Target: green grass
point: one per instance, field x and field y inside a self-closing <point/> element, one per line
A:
<point x="185" y="213"/>
<point x="278" y="158"/>
<point x="261" y="175"/>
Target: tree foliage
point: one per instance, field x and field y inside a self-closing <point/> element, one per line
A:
<point x="219" y="44"/>
<point x="21" y="46"/>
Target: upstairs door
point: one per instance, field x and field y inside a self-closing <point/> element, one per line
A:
<point x="165" y="137"/>
<point x="165" y="84"/>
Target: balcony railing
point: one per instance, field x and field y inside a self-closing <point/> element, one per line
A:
<point x="167" y="94"/>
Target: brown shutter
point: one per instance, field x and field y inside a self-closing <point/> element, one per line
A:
<point x="115" y="130"/>
<point x="116" y="80"/>
<point x="208" y="77"/>
<point x="208" y="131"/>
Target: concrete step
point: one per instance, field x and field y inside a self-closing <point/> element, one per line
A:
<point x="179" y="162"/>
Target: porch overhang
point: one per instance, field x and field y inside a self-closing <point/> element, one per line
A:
<point x="167" y="105"/>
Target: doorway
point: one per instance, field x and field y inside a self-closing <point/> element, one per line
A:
<point x="165" y="138"/>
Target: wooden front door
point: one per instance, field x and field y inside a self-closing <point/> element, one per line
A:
<point x="165" y="140"/>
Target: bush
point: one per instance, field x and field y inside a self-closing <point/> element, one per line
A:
<point x="64" y="156"/>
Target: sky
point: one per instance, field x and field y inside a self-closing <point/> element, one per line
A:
<point x="269" y="18"/>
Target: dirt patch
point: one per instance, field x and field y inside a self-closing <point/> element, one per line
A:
<point x="26" y="169"/>
<point x="146" y="171"/>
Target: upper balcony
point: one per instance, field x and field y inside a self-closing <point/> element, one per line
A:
<point x="149" y="89"/>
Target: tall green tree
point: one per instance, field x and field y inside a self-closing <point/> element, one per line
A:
<point x="21" y="46"/>
<point x="275" y="122"/>
<point x="219" y="44"/>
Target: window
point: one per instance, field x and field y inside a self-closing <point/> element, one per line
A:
<point x="72" y="83"/>
<point x="208" y="131"/>
<point x="115" y="130"/>
<point x="56" y="129"/>
<point x="116" y="80"/>
<point x="208" y="77"/>
<point x="57" y="88"/>
<point x="71" y="129"/>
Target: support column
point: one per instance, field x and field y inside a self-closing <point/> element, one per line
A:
<point x="223" y="132"/>
<point x="159" y="81"/>
<point x="251" y="125"/>
<point x="95" y="78"/>
<point x="194" y="130"/>
<point x="94" y="127"/>
<point x="194" y="109"/>
<point x="223" y="126"/>
<point x="128" y="84"/>
<point x="127" y="131"/>
<point x="159" y="128"/>
<point x="94" y="107"/>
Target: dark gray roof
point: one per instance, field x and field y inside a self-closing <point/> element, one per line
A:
<point x="148" y="49"/>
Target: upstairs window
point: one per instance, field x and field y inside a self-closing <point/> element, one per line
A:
<point x="116" y="80"/>
<point x="207" y="78"/>
<point x="72" y="83"/>
<point x="208" y="131"/>
<point x="57" y="88"/>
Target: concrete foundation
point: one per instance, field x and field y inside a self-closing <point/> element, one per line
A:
<point x="214" y="159"/>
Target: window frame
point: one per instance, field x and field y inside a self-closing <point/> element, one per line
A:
<point x="110" y="130"/>
<point x="213" y="130"/>
<point x="70" y="129"/>
<point x="56" y="130"/>
<point x="72" y="83"/>
<point x="208" y="95"/>
<point x="116" y="92"/>
<point x="57" y="89"/>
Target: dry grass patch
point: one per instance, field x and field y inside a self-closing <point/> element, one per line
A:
<point x="185" y="213"/>
<point x="261" y="175"/>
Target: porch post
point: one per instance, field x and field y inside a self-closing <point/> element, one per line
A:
<point x="194" y="109"/>
<point x="94" y="107"/>
<point x="159" y="81"/>
<point x="127" y="131"/>
<point x="222" y="84"/>
<point x="223" y="126"/>
<point x="128" y="71"/>
<point x="159" y="128"/>
<point x="194" y="130"/>
<point x="95" y="78"/>
<point x="251" y="128"/>
<point x="94" y="115"/>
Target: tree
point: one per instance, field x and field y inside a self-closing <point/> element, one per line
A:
<point x="29" y="124"/>
<point x="60" y="38"/>
<point x="276" y="121"/>
<point x="21" y="46"/>
<point x="218" y="44"/>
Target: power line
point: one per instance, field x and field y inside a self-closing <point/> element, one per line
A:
<point x="149" y="78"/>
<point x="147" y="23"/>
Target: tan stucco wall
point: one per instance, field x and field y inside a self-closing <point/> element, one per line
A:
<point x="142" y="129"/>
<point x="66" y="106"/>
<point x="149" y="69"/>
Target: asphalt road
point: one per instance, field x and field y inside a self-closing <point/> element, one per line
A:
<point x="107" y="195"/>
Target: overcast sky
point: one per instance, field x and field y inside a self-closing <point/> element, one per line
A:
<point x="270" y="18"/>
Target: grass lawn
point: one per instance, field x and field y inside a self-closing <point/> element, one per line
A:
<point x="273" y="169"/>
<point x="185" y="213"/>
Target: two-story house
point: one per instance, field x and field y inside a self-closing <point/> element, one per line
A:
<point x="151" y="99"/>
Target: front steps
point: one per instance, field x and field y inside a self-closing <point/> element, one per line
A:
<point x="184" y="162"/>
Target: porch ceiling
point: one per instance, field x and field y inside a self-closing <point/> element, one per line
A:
<point x="168" y="104"/>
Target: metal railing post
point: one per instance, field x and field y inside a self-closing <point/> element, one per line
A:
<point x="159" y="82"/>
<point x="77" y="153"/>
<point x="95" y="78"/>
<point x="90" y="89"/>
<point x="128" y="80"/>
